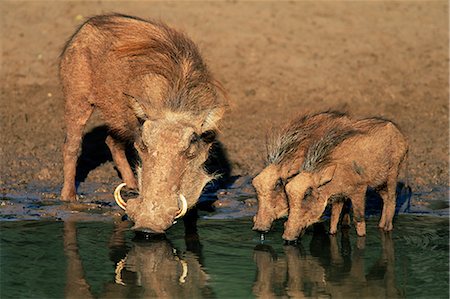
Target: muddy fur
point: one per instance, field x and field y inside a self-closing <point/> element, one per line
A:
<point x="153" y="90"/>
<point x="287" y="148"/>
<point x="372" y="157"/>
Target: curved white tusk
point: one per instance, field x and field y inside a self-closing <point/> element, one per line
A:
<point x="183" y="209"/>
<point x="118" y="198"/>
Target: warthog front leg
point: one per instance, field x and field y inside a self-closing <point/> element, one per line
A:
<point x="388" y="195"/>
<point x="358" y="203"/>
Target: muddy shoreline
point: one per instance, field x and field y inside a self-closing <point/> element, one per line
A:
<point x="237" y="200"/>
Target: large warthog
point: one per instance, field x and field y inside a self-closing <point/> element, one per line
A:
<point x="286" y="150"/>
<point x="342" y="164"/>
<point x="154" y="91"/>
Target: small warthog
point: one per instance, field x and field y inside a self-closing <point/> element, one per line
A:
<point x="342" y="164"/>
<point x="154" y="91"/>
<point x="286" y="150"/>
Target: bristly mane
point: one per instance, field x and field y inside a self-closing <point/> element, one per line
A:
<point x="284" y="142"/>
<point x="318" y="154"/>
<point x="152" y="47"/>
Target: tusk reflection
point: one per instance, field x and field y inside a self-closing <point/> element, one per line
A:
<point x="120" y="266"/>
<point x="120" y="202"/>
<point x="183" y="209"/>
<point x="183" y="276"/>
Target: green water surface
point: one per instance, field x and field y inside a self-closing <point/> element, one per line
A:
<point x="226" y="260"/>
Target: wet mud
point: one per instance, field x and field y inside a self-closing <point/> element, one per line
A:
<point x="233" y="200"/>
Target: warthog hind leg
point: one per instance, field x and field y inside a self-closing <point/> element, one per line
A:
<point x="78" y="111"/>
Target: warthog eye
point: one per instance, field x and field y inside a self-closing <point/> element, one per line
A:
<point x="194" y="138"/>
<point x="194" y="143"/>
<point x="139" y="144"/>
<point x="308" y="193"/>
<point x="279" y="184"/>
<point x="193" y="147"/>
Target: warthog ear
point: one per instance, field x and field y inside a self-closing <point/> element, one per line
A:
<point x="211" y="119"/>
<point x="326" y="175"/>
<point x="138" y="109"/>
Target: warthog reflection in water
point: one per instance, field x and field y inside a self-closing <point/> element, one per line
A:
<point x="328" y="271"/>
<point x="152" y="268"/>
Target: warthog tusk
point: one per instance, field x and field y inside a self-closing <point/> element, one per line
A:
<point x="183" y="209"/>
<point x="121" y="203"/>
<point x="118" y="198"/>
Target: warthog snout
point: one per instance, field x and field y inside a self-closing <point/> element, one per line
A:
<point x="151" y="217"/>
<point x="272" y="202"/>
<point x="292" y="233"/>
<point x="262" y="224"/>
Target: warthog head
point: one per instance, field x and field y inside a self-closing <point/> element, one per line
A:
<point x="173" y="148"/>
<point x="272" y="202"/>
<point x="306" y="201"/>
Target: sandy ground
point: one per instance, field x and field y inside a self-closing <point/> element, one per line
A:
<point x="276" y="59"/>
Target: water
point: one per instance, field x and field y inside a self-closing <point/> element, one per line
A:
<point x="57" y="259"/>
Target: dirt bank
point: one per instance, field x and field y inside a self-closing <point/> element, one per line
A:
<point x="275" y="59"/>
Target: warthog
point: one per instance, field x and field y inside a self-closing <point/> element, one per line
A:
<point x="286" y="150"/>
<point x="154" y="91"/>
<point x="342" y="165"/>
